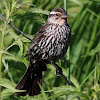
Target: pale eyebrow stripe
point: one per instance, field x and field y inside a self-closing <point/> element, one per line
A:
<point x="55" y="13"/>
<point x="52" y="12"/>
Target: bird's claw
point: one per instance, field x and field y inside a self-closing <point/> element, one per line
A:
<point x="58" y="72"/>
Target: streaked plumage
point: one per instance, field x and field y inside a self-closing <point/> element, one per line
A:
<point x="53" y="38"/>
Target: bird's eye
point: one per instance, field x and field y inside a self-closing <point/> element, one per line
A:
<point x="57" y="15"/>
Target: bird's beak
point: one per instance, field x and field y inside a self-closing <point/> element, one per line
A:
<point x="64" y="16"/>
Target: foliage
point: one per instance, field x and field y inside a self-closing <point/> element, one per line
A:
<point x="29" y="16"/>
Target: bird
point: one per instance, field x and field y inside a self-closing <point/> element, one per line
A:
<point x="53" y="38"/>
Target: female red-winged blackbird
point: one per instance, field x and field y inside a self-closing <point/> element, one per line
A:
<point x="53" y="38"/>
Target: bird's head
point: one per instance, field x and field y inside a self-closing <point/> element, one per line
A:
<point x="57" y="16"/>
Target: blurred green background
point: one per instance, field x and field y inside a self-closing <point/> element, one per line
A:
<point x="29" y="16"/>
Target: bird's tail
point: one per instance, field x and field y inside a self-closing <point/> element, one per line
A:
<point x="30" y="80"/>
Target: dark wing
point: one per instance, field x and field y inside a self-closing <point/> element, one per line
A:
<point x="39" y="35"/>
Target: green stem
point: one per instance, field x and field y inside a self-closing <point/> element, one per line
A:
<point x="68" y="63"/>
<point x="0" y="72"/>
<point x="10" y="46"/>
<point x="65" y="5"/>
<point x="1" y="47"/>
<point x="68" y="51"/>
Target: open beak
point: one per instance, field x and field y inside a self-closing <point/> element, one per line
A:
<point x="64" y="16"/>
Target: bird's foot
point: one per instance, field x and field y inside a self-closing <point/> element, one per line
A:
<point x="58" y="71"/>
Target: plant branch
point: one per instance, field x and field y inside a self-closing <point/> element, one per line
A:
<point x="8" y="22"/>
<point x="9" y="46"/>
<point x="59" y="70"/>
<point x="56" y="66"/>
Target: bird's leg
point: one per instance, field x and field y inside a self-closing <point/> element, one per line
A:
<point x="59" y="70"/>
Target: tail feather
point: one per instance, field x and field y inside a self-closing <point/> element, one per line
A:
<point x="30" y="81"/>
<point x="35" y="89"/>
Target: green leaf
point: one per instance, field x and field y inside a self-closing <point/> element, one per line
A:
<point x="5" y="52"/>
<point x="93" y="51"/>
<point x="74" y="96"/>
<point x="9" y="85"/>
<point x="87" y="78"/>
<point x="17" y="40"/>
<point x="43" y="93"/>
<point x="37" y="10"/>
<point x="93" y="35"/>
<point x="63" y="90"/>
<point x="76" y="53"/>
<point x="77" y="2"/>
<point x="7" y="69"/>
<point x="15" y="58"/>
<point x="72" y="78"/>
<point x="6" y="93"/>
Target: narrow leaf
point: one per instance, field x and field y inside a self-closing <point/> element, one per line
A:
<point x="5" y="52"/>
<point x="8" y="84"/>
